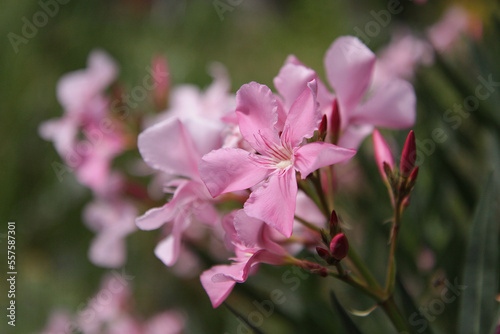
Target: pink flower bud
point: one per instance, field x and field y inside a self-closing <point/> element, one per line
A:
<point x="339" y="246"/>
<point x="409" y="155"/>
<point x="382" y="154"/>
<point x="161" y="81"/>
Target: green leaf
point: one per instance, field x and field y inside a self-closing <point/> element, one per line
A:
<point x="410" y="309"/>
<point x="242" y="318"/>
<point x="477" y="309"/>
<point x="349" y="325"/>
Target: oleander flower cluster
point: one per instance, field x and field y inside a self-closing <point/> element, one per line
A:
<point x="245" y="178"/>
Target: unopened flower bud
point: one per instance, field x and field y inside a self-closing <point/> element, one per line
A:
<point x="339" y="247"/>
<point x="335" y="122"/>
<point x="322" y="128"/>
<point x="413" y="175"/>
<point x="383" y="155"/>
<point x="323" y="253"/>
<point x="161" y="82"/>
<point x="409" y="155"/>
<point x="333" y="223"/>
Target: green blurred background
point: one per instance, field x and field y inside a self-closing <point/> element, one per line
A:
<point x="252" y="41"/>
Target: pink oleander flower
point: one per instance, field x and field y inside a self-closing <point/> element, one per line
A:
<point x="250" y="238"/>
<point x="189" y="102"/>
<point x="59" y="323"/>
<point x="401" y="58"/>
<point x="175" y="148"/>
<point x="349" y="68"/>
<point x="86" y="112"/>
<point x="455" y="22"/>
<point x="281" y="152"/>
<point x="112" y="220"/>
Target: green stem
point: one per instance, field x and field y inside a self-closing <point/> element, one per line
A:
<point x="363" y="270"/>
<point x="377" y="295"/>
<point x="397" y="318"/>
<point x="391" y="267"/>
<point x="308" y="224"/>
<point x="319" y="190"/>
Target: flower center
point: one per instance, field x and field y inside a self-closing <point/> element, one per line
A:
<point x="284" y="164"/>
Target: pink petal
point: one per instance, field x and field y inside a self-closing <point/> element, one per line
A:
<point x="392" y="105"/>
<point x="248" y="230"/>
<point x="353" y="135"/>
<point x="349" y="66"/>
<point x="77" y="88"/>
<point x="382" y="152"/>
<point x="62" y="132"/>
<point x="206" y="134"/>
<point x="291" y="82"/>
<point x="217" y="290"/>
<point x="168" y="322"/>
<point x="274" y="202"/>
<point x="156" y="217"/>
<point x="184" y="195"/>
<point x="107" y="250"/>
<point x="315" y="155"/>
<point x="304" y="116"/>
<point x="230" y="169"/>
<point x="324" y="97"/>
<point x="257" y="112"/>
<point x="168" y="146"/>
<point x="169" y="248"/>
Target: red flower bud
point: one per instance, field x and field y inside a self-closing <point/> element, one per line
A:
<point x="335" y="122"/>
<point x="409" y="155"/>
<point x="339" y="247"/>
<point x="322" y="128"/>
<point x="333" y="223"/>
<point x="323" y="253"/>
<point x="413" y="175"/>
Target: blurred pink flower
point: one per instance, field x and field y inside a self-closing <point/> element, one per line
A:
<point x="112" y="220"/>
<point x="281" y="154"/>
<point x="59" y="323"/>
<point x="86" y="113"/>
<point x="401" y="58"/>
<point x="252" y="246"/>
<point x="455" y="23"/>
<point x="175" y="148"/>
<point x="349" y="67"/>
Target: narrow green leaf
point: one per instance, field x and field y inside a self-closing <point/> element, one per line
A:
<point x="410" y="309"/>
<point x="477" y="310"/>
<point x="349" y="325"/>
<point x="243" y="319"/>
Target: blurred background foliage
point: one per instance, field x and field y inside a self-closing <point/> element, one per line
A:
<point x="252" y="41"/>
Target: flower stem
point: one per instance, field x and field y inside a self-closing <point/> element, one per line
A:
<point x="391" y="267"/>
<point x="308" y="224"/>
<point x="397" y="318"/>
<point x="363" y="270"/>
